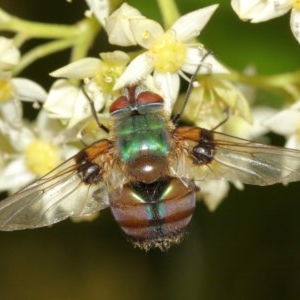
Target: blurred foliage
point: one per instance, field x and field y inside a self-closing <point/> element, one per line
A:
<point x="248" y="249"/>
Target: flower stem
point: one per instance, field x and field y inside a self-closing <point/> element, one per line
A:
<point x="41" y="51"/>
<point x="169" y="11"/>
<point x="35" y="29"/>
<point x="88" y="29"/>
<point x="287" y="84"/>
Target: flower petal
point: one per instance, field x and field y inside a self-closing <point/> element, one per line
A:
<point x="213" y="192"/>
<point x="194" y="57"/>
<point x="257" y="11"/>
<point x="28" y="90"/>
<point x="15" y="176"/>
<point x="9" y="54"/>
<point x="81" y="111"/>
<point x="100" y="8"/>
<point x="20" y="138"/>
<point x="190" y="25"/>
<point x="47" y="127"/>
<point x="137" y="70"/>
<point x="293" y="142"/>
<point x="295" y="24"/>
<point x="60" y="101"/>
<point x="145" y="31"/>
<point x="169" y="84"/>
<point x="11" y="112"/>
<point x="118" y="25"/>
<point x="79" y="69"/>
<point x="285" y="122"/>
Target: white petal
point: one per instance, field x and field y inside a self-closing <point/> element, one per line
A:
<point x="213" y="192"/>
<point x="293" y="142"/>
<point x="11" y="112"/>
<point x="285" y="122"/>
<point x="61" y="99"/>
<point x="118" y="26"/>
<point x="82" y="68"/>
<point x="100" y="8"/>
<point x="115" y="57"/>
<point x="20" y="139"/>
<point x="28" y="90"/>
<point x="194" y="57"/>
<point x="190" y="25"/>
<point x="214" y="65"/>
<point x="96" y="95"/>
<point x="239" y="127"/>
<point x="295" y="24"/>
<point x="138" y="69"/>
<point x="15" y="176"/>
<point x="258" y="11"/>
<point x="47" y="128"/>
<point x="145" y="31"/>
<point x="9" y="54"/>
<point x="169" y="83"/>
<point x="82" y="110"/>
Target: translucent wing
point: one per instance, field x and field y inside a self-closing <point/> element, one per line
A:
<point x="75" y="188"/>
<point x="213" y="155"/>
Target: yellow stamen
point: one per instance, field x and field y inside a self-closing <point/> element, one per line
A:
<point x="296" y="4"/>
<point x="5" y="90"/>
<point x="169" y="53"/>
<point x="41" y="157"/>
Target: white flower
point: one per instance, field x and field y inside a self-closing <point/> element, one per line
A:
<point x="35" y="150"/>
<point x="214" y="99"/>
<point x="257" y="11"/>
<point x="14" y="90"/>
<point x="287" y="123"/>
<point x="100" y="8"/>
<point x="68" y="102"/>
<point x="168" y="53"/>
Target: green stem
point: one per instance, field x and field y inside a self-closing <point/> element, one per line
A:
<point x="41" y="51"/>
<point x="35" y="29"/>
<point x="287" y="84"/>
<point x="88" y="29"/>
<point x="169" y="11"/>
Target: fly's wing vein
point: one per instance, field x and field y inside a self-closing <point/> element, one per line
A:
<point x="235" y="159"/>
<point x="58" y="195"/>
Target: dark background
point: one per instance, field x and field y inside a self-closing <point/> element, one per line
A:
<point x="248" y="249"/>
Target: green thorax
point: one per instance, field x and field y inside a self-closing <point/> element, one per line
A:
<point x="142" y="135"/>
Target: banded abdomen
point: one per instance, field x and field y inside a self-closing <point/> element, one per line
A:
<point x="156" y="214"/>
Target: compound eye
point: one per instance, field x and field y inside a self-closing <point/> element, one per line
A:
<point x="145" y="98"/>
<point x="120" y="104"/>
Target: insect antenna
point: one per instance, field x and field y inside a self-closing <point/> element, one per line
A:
<point x="94" y="112"/>
<point x="177" y="117"/>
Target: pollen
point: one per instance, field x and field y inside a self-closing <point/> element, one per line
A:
<point x="169" y="53"/>
<point x="296" y="4"/>
<point x="41" y="157"/>
<point x="5" y="90"/>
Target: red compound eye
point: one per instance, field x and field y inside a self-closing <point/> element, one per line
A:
<point x="119" y="104"/>
<point x="148" y="98"/>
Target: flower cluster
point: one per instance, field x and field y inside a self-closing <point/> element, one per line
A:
<point x="161" y="59"/>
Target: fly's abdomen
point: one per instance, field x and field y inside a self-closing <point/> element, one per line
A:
<point x="156" y="214"/>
